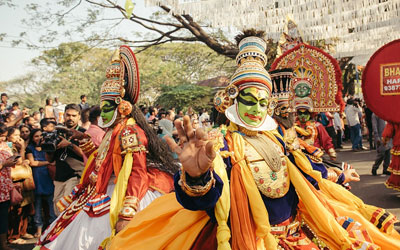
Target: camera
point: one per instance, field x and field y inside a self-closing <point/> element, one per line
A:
<point x="50" y="141"/>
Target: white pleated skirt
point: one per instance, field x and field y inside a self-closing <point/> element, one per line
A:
<point x="87" y="233"/>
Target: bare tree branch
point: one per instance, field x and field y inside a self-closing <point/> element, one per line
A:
<point x="67" y="12"/>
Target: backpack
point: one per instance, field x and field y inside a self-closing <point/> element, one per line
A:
<point x="323" y="119"/>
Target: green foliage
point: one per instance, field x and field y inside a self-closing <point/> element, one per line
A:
<point x="177" y="64"/>
<point x="73" y="69"/>
<point x="185" y="95"/>
<point x="68" y="71"/>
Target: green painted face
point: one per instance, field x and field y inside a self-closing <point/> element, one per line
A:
<point x="107" y="111"/>
<point x="253" y="105"/>
<point x="302" y="90"/>
<point x="304" y="115"/>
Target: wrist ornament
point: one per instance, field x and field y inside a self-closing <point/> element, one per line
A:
<point x="332" y="175"/>
<point x="87" y="147"/>
<point x="129" y="207"/>
<point x="197" y="190"/>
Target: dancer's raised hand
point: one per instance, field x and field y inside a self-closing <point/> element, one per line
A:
<point x="194" y="150"/>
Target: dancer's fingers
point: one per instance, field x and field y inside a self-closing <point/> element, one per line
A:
<point x="172" y="145"/>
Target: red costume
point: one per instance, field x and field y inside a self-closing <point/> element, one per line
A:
<point x="392" y="131"/>
<point x="314" y="133"/>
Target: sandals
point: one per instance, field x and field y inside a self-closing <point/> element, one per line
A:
<point x="18" y="241"/>
<point x="27" y="236"/>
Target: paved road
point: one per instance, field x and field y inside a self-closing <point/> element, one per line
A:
<point x="370" y="189"/>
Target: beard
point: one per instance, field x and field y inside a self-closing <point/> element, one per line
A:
<point x="287" y="122"/>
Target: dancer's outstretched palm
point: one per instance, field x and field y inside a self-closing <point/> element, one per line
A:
<point x="194" y="150"/>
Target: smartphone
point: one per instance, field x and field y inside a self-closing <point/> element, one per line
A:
<point x="14" y="157"/>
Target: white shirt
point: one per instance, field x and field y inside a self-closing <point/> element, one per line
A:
<point x="337" y="122"/>
<point x="353" y="115"/>
<point x="202" y="118"/>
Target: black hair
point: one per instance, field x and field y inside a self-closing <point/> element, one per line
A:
<point x="48" y="101"/>
<point x="85" y="115"/>
<point x="46" y="121"/>
<point x="73" y="106"/>
<point x="15" y="104"/>
<point x="11" y="130"/>
<point x="95" y="112"/>
<point x="82" y="96"/>
<point x="3" y="128"/>
<point x="24" y="126"/>
<point x="158" y="149"/>
<point x="33" y="132"/>
<point x="4" y="94"/>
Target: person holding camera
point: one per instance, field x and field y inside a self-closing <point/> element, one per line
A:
<point x="68" y="156"/>
<point x="354" y="115"/>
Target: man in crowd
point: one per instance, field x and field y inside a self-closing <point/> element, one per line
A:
<point x="68" y="157"/>
<point x="30" y="122"/>
<point x="96" y="133"/>
<point x="3" y="111"/>
<point x="15" y="109"/>
<point x="204" y="119"/>
<point x="383" y="151"/>
<point x="41" y="112"/>
<point x="83" y="105"/>
<point x="166" y="124"/>
<point x="338" y="125"/>
<point x="4" y="99"/>
<point x="353" y="115"/>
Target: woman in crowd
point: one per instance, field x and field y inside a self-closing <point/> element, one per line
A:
<point x="6" y="162"/>
<point x="44" y="187"/>
<point x="25" y="132"/>
<point x="18" y="219"/>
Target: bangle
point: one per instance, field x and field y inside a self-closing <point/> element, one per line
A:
<point x="332" y="175"/>
<point x="195" y="191"/>
<point x="129" y="207"/>
<point x="87" y="147"/>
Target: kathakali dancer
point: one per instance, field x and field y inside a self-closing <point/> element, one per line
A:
<point x="239" y="189"/>
<point x="381" y="90"/>
<point x="285" y="117"/>
<point x="130" y="168"/>
<point x="317" y="87"/>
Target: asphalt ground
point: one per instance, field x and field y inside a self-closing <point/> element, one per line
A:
<point x="370" y="189"/>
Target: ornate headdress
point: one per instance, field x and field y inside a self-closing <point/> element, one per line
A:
<point x="122" y="85"/>
<point x="251" y="61"/>
<point x="319" y="72"/>
<point x="281" y="84"/>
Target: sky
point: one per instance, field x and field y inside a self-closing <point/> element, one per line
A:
<point x="14" y="61"/>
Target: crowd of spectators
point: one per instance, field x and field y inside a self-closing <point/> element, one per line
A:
<point x="355" y="123"/>
<point x="39" y="163"/>
<point x="162" y="119"/>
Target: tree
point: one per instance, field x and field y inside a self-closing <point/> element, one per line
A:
<point x="73" y="69"/>
<point x="177" y="64"/>
<point x="184" y="95"/>
<point x="68" y="71"/>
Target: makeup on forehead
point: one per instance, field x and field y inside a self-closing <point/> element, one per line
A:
<point x="254" y="92"/>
